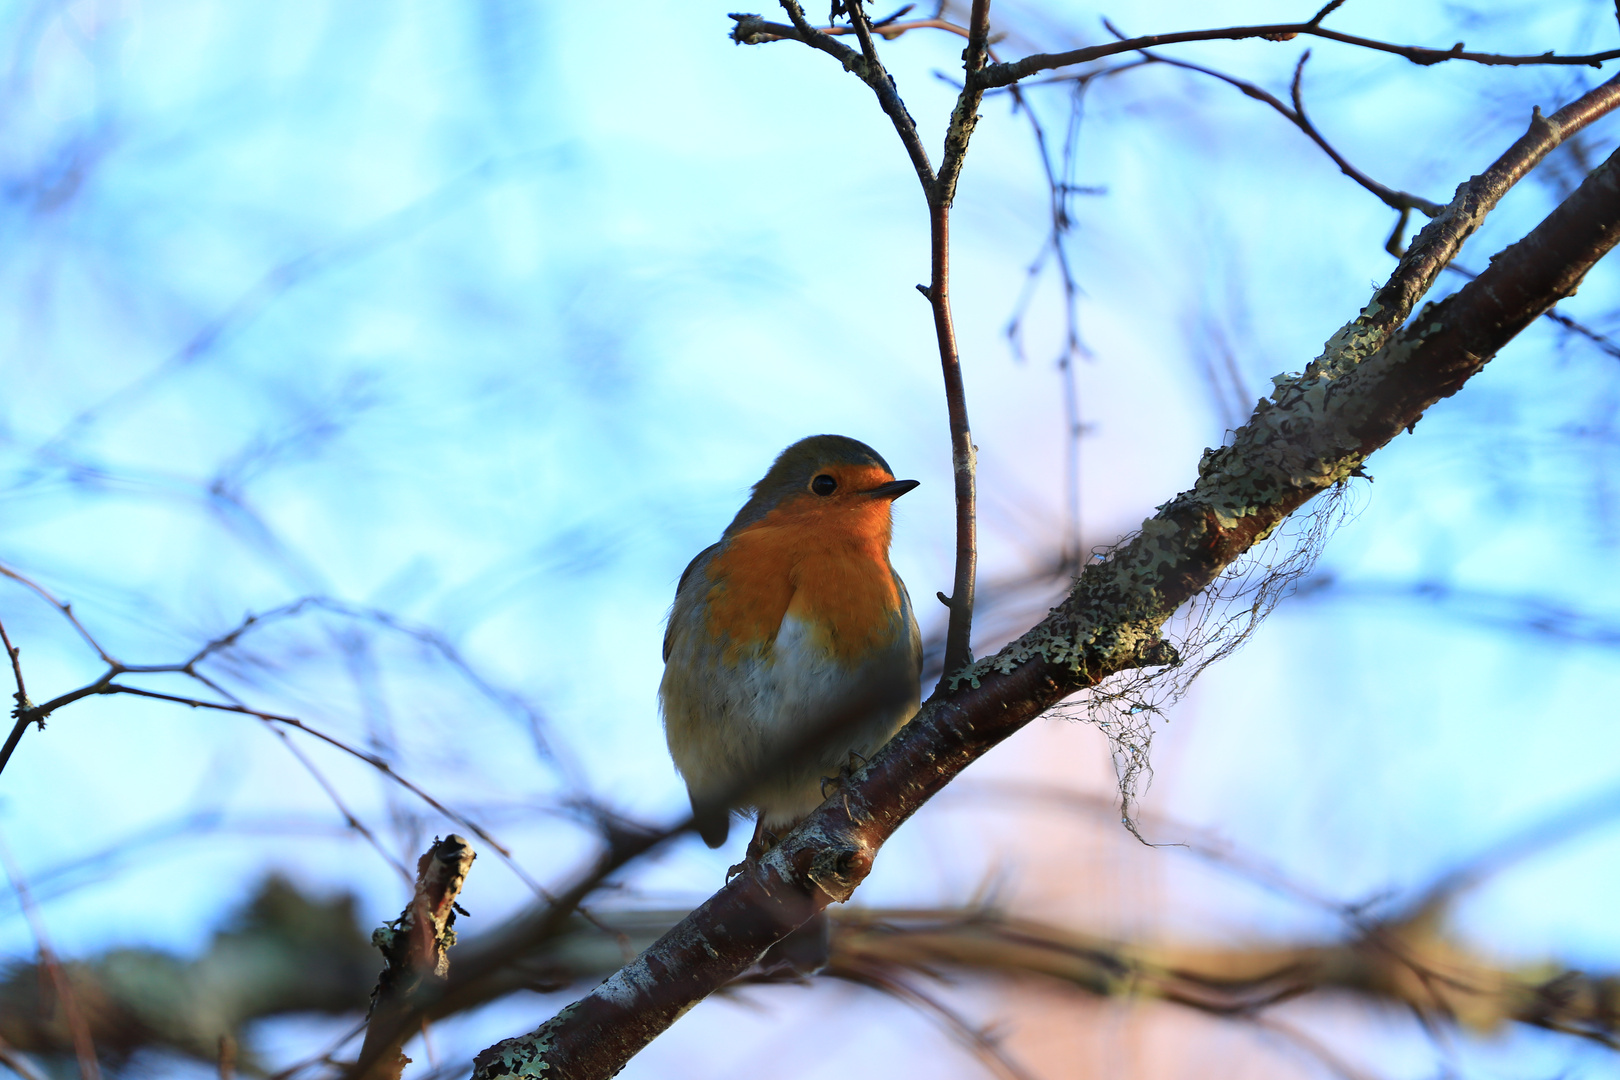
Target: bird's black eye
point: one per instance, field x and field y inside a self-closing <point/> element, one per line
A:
<point x="824" y="485"/>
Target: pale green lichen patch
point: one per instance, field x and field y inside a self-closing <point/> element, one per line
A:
<point x="523" y="1058"/>
<point x="1114" y="617"/>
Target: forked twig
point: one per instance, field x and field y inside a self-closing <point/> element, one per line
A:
<point x="1402" y="201"/>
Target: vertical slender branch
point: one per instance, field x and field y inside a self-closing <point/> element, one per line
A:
<point x="23" y="711"/>
<point x="964" y="461"/>
<point x="416" y="959"/>
<point x="966" y="114"/>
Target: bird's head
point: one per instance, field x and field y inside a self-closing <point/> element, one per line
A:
<point x="826" y="480"/>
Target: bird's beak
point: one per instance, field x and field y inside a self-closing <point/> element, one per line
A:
<point x="892" y="490"/>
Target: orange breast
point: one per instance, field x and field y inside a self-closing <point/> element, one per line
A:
<point x="827" y="565"/>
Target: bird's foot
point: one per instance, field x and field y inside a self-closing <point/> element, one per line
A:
<point x="830" y="785"/>
<point x="761" y="842"/>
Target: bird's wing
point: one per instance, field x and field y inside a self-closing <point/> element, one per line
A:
<point x="701" y="558"/>
<point x="908" y="616"/>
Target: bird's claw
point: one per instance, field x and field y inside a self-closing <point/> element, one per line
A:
<point x="831" y="784"/>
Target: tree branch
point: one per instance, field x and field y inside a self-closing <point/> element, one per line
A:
<point x="1397" y="200"/>
<point x="756" y="31"/>
<point x="1373" y="380"/>
<point x="1012" y="71"/>
<point x="865" y="65"/>
<point x="416" y="959"/>
<point x="22" y="712"/>
<point x="964" y="455"/>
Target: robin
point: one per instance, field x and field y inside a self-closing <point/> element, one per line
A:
<point x="791" y="651"/>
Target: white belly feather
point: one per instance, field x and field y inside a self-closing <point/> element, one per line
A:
<point x="757" y="728"/>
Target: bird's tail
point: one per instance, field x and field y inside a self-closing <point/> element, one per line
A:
<point x="713" y="823"/>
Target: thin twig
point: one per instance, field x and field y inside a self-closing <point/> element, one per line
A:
<point x="1061" y="189"/>
<point x="349" y="817"/>
<point x="978" y="1041"/>
<point x="292" y="721"/>
<point x="324" y="1057"/>
<point x="549" y="748"/>
<point x="964" y="455"/>
<point x="1398" y="200"/>
<point x="1004" y="74"/>
<point x="868" y="70"/>
<point x="23" y="708"/>
<point x="105" y="685"/>
<point x="227" y="1058"/>
<point x="759" y="31"/>
<point x="66" y="610"/>
<point x="624" y="840"/>
<point x="277" y="281"/>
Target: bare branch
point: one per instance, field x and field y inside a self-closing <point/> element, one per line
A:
<point x="964" y="455"/>
<point x="1441" y="239"/>
<point x="21" y="713"/>
<point x="292" y="721"/>
<point x="105" y="684"/>
<point x="227" y="1058"/>
<point x="966" y="114"/>
<point x="66" y="610"/>
<point x="761" y="31"/>
<point x="349" y="818"/>
<point x="1007" y="73"/>
<point x="1329" y="8"/>
<point x="1397" y="200"/>
<point x="983" y="1045"/>
<point x="263" y="294"/>
<point x="865" y="66"/>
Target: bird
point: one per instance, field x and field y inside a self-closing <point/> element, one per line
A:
<point x="791" y="653"/>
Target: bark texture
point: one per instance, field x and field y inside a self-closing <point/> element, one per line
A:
<point x="416" y="959"/>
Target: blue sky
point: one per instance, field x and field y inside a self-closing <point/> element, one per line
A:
<point x="489" y="315"/>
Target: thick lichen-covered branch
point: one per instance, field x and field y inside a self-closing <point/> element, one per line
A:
<point x="1313" y="432"/>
